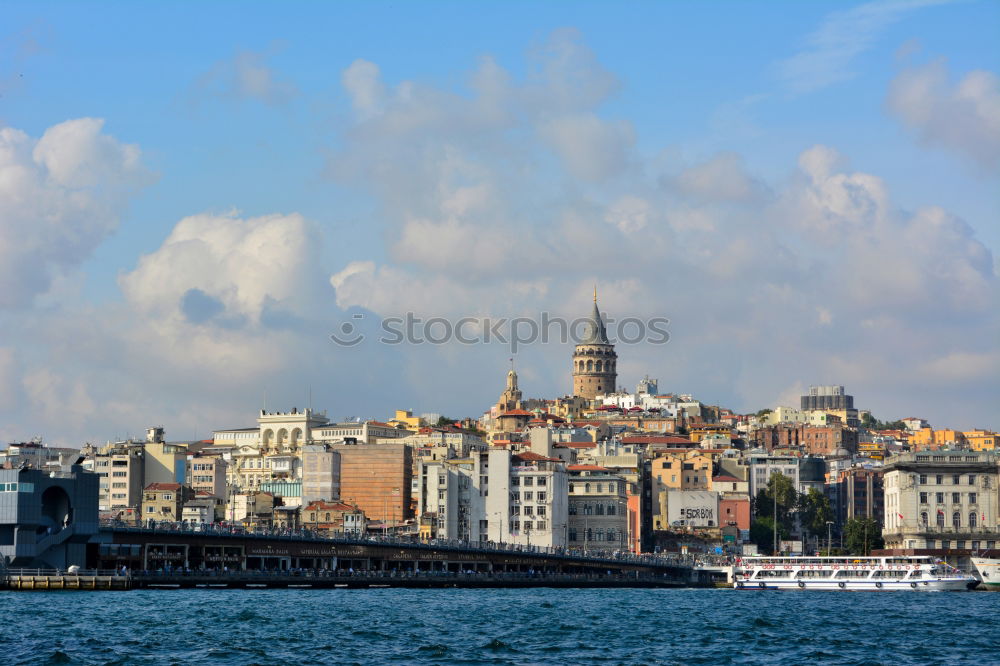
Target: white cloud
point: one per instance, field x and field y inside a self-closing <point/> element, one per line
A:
<point x="963" y="117"/>
<point x="591" y="149"/>
<point x="60" y="197"/>
<point x="246" y="76"/>
<point x="227" y="269"/>
<point x="829" y="51"/>
<point x="722" y="178"/>
<point x="362" y="82"/>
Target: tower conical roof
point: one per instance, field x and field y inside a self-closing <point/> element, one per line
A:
<point x="595" y="333"/>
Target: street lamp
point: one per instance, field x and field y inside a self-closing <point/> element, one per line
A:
<point x="829" y="542"/>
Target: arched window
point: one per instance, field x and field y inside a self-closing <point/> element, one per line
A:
<point x="571" y="487"/>
<point x="590" y="365"/>
<point x="972" y="519"/>
<point x="586" y="487"/>
<point x="956" y="519"/>
<point x="600" y="487"/>
<point x="940" y="518"/>
<point x="598" y="368"/>
<point x="328" y="516"/>
<point x="923" y="518"/>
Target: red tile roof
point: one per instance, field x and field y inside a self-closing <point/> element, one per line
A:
<point x="727" y="479"/>
<point x="587" y="468"/>
<point x="532" y="456"/>
<point x="163" y="486"/>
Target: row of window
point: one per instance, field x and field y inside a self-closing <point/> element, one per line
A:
<point x="529" y="481"/>
<point x="597" y="487"/>
<point x="528" y="510"/>
<point x="956" y="498"/>
<point x="956" y="519"/>
<point x="528" y="525"/>
<point x="530" y="496"/>
<point x="15" y="487"/>
<point x="960" y="544"/>
<point x="939" y="479"/>
<point x="592" y="535"/>
<point x="594" y="509"/>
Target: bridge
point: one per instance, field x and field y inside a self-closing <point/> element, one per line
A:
<point x="148" y="555"/>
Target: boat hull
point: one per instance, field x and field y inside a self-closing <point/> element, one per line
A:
<point x="931" y="585"/>
<point x="988" y="570"/>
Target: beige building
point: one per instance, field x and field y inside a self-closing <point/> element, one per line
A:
<point x="320" y="473"/>
<point x="163" y="502"/>
<point x="207" y="474"/>
<point x="377" y="478"/>
<point x="941" y="500"/>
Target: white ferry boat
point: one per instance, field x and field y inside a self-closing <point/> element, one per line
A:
<point x="989" y="571"/>
<point x="848" y="573"/>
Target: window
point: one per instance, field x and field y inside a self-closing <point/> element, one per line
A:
<point x="972" y="479"/>
<point x="150" y="509"/>
<point x="600" y="509"/>
<point x="939" y="479"/>
<point x="923" y="518"/>
<point x="542" y="481"/>
<point x="923" y="498"/>
<point x="956" y="519"/>
<point x="541" y="497"/>
<point x="956" y="498"/>
<point x="312" y="516"/>
<point x="529" y="480"/>
<point x="572" y="535"/>
<point x="571" y="487"/>
<point x="600" y="487"/>
<point x="940" y="518"/>
<point x="586" y="487"/>
<point x="960" y="545"/>
<point x="529" y="510"/>
<point x="328" y="516"/>
<point x="956" y="479"/>
<point x="946" y="544"/>
<point x="516" y="481"/>
<point x="540" y="511"/>
<point x="527" y="526"/>
<point x="972" y="519"/>
<point x="939" y="497"/>
<point x="972" y="498"/>
<point x="529" y="496"/>
<point x="975" y="545"/>
<point x="923" y="479"/>
<point x="572" y="509"/>
<point x="540" y="525"/>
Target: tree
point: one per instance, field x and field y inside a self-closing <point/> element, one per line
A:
<point x="444" y="421"/>
<point x="780" y="488"/>
<point x="861" y="535"/>
<point x="762" y="533"/>
<point x="815" y="511"/>
<point x="761" y="413"/>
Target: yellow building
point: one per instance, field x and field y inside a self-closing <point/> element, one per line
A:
<point x="948" y="438"/>
<point x="406" y="419"/>
<point x="981" y="440"/>
<point x="922" y="439"/>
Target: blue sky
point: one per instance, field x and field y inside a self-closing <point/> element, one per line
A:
<point x="807" y="190"/>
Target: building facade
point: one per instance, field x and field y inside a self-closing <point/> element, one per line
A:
<point x="595" y="363"/>
<point x="941" y="500"/>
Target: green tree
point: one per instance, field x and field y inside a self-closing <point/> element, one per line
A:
<point x="444" y="421"/>
<point x="861" y="535"/>
<point x="761" y="413"/>
<point x="780" y="488"/>
<point x="815" y="511"/>
<point x="762" y="533"/>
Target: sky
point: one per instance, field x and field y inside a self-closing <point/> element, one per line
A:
<point x="194" y="197"/>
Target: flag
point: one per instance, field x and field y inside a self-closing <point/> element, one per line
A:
<point x="900" y="516"/>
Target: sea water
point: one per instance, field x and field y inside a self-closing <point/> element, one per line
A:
<point x="534" y="626"/>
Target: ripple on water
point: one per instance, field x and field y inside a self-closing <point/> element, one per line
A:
<point x="239" y="627"/>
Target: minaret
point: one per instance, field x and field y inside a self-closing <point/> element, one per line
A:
<point x="595" y="362"/>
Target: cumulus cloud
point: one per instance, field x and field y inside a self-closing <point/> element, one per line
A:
<point x="246" y="76"/>
<point x="722" y="178"/>
<point x="60" y="196"/>
<point x="227" y="269"/>
<point x="963" y="116"/>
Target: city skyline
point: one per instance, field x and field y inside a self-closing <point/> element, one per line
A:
<point x="191" y="203"/>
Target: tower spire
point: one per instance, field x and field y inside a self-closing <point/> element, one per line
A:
<point x="595" y="292"/>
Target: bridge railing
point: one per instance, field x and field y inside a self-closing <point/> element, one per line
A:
<point x="492" y="547"/>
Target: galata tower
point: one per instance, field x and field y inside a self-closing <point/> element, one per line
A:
<point x="594" y="359"/>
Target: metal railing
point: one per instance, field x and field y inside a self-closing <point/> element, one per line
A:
<point x="617" y="557"/>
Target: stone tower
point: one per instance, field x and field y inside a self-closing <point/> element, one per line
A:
<point x="511" y="397"/>
<point x="595" y="362"/>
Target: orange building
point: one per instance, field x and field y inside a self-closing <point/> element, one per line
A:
<point x="377" y="478"/>
<point x="981" y="440"/>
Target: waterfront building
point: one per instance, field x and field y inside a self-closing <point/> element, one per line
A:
<point x="47" y="518"/>
<point x="451" y="499"/>
<point x="941" y="500"/>
<point x="597" y="509"/>
<point x="320" y="473"/>
<point x="332" y="518"/>
<point x="526" y="498"/>
<point x="162" y="502"/>
<point x="119" y="468"/>
<point x="595" y="363"/>
<point x="377" y="478"/>
<point x="207" y="474"/>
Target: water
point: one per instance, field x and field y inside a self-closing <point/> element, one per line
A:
<point x="536" y="626"/>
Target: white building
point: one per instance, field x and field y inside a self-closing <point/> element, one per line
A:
<point x="761" y="466"/>
<point x="526" y="499"/>
<point x="941" y="500"/>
